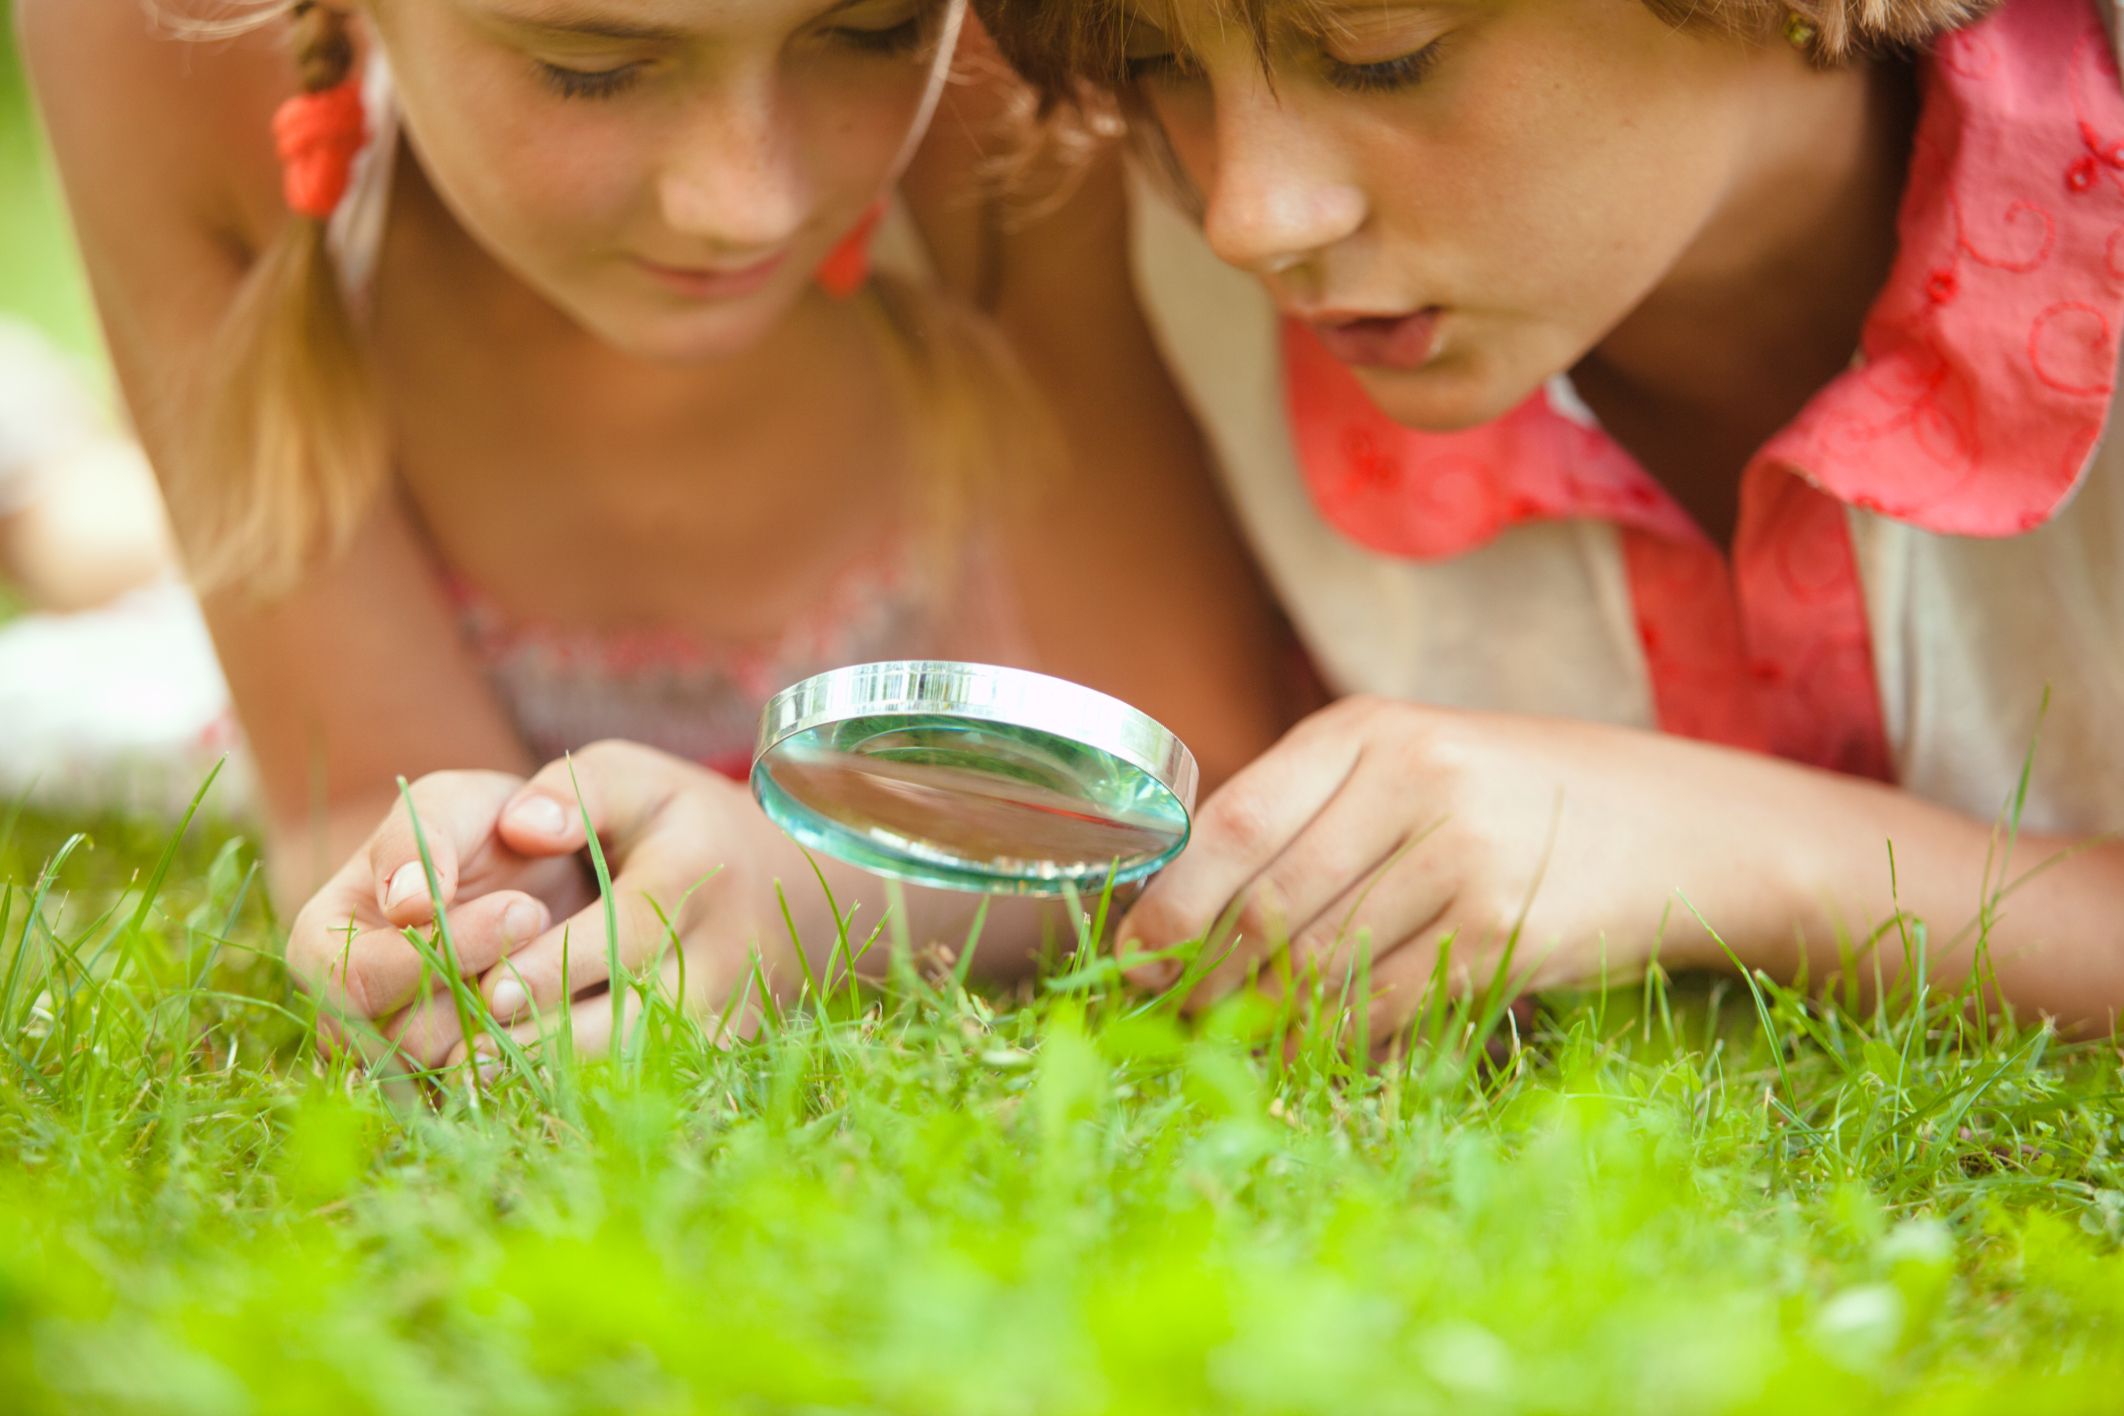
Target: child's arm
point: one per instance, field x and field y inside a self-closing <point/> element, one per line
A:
<point x="682" y="844"/>
<point x="92" y="530"/>
<point x="166" y="154"/>
<point x="1408" y="824"/>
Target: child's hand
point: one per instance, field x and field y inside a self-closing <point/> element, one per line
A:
<point x="1408" y="824"/>
<point x="347" y="946"/>
<point x="693" y="863"/>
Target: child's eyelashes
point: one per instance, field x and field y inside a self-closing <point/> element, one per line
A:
<point x="1384" y="76"/>
<point x="902" y="38"/>
<point x="1167" y="67"/>
<point x="1379" y="76"/>
<point x="589" y="83"/>
<point x="895" y="40"/>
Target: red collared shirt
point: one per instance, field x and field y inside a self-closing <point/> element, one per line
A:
<point x="1986" y="372"/>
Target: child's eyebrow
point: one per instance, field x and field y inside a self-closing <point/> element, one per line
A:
<point x="1347" y="9"/>
<point x="1342" y="10"/>
<point x="567" y="18"/>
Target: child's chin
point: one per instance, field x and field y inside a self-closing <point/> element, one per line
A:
<point x="702" y="335"/>
<point x="1448" y="395"/>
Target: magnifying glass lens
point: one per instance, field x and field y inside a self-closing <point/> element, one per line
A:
<point x="959" y="799"/>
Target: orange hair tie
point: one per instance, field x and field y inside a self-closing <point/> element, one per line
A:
<point x="847" y="265"/>
<point x="318" y="136"/>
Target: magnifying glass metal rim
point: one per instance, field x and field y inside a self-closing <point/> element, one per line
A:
<point x="992" y="693"/>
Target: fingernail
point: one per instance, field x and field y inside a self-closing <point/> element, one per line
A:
<point x="1159" y="976"/>
<point x="490" y="1072"/>
<point x="406" y="882"/>
<point x="522" y="922"/>
<point x="509" y="999"/>
<point x="541" y="814"/>
<point x="1153" y="974"/>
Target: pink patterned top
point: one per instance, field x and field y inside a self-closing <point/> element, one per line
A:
<point x="568" y="687"/>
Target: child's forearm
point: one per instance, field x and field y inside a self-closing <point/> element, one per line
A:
<point x="2048" y="911"/>
<point x="94" y="531"/>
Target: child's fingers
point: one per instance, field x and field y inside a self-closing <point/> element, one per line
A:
<point x="589" y="1026"/>
<point x="538" y="823"/>
<point x="1401" y="980"/>
<point x="325" y="931"/>
<point x="1315" y="883"/>
<point x="486" y="930"/>
<point x="378" y="971"/>
<point x="1238" y="835"/>
<point x="1401" y="985"/>
<point x="428" y="1031"/>
<point x="572" y="955"/>
<point x="457" y="813"/>
<point x="1385" y="911"/>
<point x="364" y="973"/>
<point x="590" y="1019"/>
<point x="666" y="826"/>
<point x="362" y="1040"/>
<point x="621" y="785"/>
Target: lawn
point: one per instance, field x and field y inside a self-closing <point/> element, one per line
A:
<point x="916" y="1198"/>
<point x="1667" y="1196"/>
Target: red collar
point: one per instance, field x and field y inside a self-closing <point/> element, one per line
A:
<point x="1988" y="358"/>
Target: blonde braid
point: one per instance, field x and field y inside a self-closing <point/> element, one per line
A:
<point x="291" y="450"/>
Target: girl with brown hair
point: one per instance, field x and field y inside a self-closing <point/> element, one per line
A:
<point x="523" y="373"/>
<point x="1684" y="427"/>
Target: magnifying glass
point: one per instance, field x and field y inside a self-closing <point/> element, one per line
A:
<point x="974" y="777"/>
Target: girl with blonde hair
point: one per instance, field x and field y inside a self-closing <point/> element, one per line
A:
<point x="527" y="373"/>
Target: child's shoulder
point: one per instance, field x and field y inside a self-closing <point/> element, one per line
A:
<point x="149" y="105"/>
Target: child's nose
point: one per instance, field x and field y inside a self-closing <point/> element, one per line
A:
<point x="1276" y="198"/>
<point x="735" y="178"/>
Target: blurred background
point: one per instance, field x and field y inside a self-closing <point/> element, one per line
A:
<point x="109" y="694"/>
<point x="40" y="281"/>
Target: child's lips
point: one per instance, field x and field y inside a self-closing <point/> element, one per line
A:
<point x="1379" y="341"/>
<point x="714" y="284"/>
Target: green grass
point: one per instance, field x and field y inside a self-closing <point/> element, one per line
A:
<point x="1663" y="1198"/>
<point x="1660" y="1199"/>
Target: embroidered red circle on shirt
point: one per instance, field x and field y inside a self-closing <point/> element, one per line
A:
<point x="2071" y="349"/>
<point x="2021" y="223"/>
